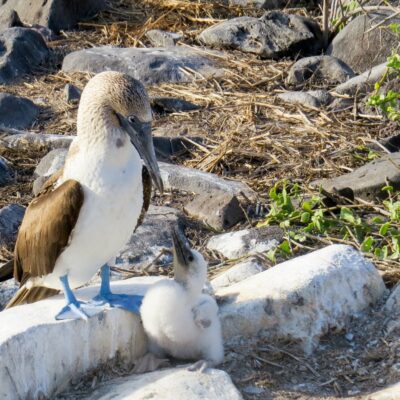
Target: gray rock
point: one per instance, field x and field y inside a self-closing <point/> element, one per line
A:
<point x="265" y="4"/>
<point x="192" y="180"/>
<point x="319" y="69"/>
<point x="51" y="162"/>
<point x="170" y="384"/>
<point x="17" y="112"/>
<point x="166" y="105"/>
<point x="160" y="38"/>
<point x="72" y="93"/>
<point x="361" y="50"/>
<point x="246" y="242"/>
<point x="54" y="14"/>
<point x="149" y="65"/>
<point x="274" y="35"/>
<point x="392" y="310"/>
<point x="167" y="147"/>
<point x="323" y="96"/>
<point x="23" y="51"/>
<point x="301" y="299"/>
<point x="300" y="98"/>
<point x="237" y="273"/>
<point x="220" y="210"/>
<point x="364" y="83"/>
<point x="151" y="239"/>
<point x="10" y="220"/>
<point x="6" y="173"/>
<point x="7" y="291"/>
<point x="23" y="141"/>
<point x="9" y="18"/>
<point x="367" y="181"/>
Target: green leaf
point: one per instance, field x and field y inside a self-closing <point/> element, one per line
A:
<point x="384" y="228"/>
<point x="347" y="215"/>
<point x="285" y="247"/>
<point x="305" y="217"/>
<point x="367" y="244"/>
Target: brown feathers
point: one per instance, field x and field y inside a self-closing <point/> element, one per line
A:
<point x="26" y="296"/>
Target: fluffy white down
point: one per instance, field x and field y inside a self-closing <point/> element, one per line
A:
<point x="182" y="322"/>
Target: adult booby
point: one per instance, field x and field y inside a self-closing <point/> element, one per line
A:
<point x="87" y="211"/>
<point x="178" y="318"/>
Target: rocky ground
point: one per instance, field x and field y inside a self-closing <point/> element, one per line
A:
<point x="243" y="98"/>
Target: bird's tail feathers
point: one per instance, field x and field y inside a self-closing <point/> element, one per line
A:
<point x="31" y="295"/>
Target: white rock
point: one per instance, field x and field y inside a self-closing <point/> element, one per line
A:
<point x="170" y="384"/>
<point x="39" y="355"/>
<point x="389" y="393"/>
<point x="392" y="310"/>
<point x="246" y="242"/>
<point x="237" y="273"/>
<point x="302" y="298"/>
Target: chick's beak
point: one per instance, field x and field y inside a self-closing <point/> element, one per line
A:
<point x="140" y="136"/>
<point x="182" y="253"/>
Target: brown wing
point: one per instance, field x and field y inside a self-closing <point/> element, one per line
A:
<point x="46" y="229"/>
<point x="146" y="178"/>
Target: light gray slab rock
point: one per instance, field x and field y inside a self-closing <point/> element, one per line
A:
<point x="72" y="93"/>
<point x="10" y="220"/>
<point x="274" y="35"/>
<point x="54" y="14"/>
<point x="362" y="50"/>
<point x="392" y="310"/>
<point x="149" y="65"/>
<point x="237" y="273"/>
<point x="390" y="393"/>
<point x="193" y="180"/>
<point x="160" y="38"/>
<point x="364" y="83"/>
<point x="301" y="299"/>
<point x="22" y="52"/>
<point x="170" y="384"/>
<point x="300" y="98"/>
<point x="167" y="105"/>
<point x="316" y="69"/>
<point x="39" y="356"/>
<point x="367" y="181"/>
<point x="9" y="18"/>
<point x="51" y="162"/>
<point x="265" y="4"/>
<point x="246" y="242"/>
<point x="6" y="172"/>
<point x="220" y="211"/>
<point x="23" y="141"/>
<point x="150" y="239"/>
<point x="17" y="112"/>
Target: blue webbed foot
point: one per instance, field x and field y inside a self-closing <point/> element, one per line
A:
<point x="75" y="309"/>
<point x="127" y="302"/>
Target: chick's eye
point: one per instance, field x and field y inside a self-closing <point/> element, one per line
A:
<point x="190" y="258"/>
<point x="132" y="119"/>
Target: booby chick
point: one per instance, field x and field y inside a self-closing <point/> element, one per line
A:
<point x="88" y="210"/>
<point x="179" y="320"/>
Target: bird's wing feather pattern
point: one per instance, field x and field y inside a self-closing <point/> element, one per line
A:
<point x="146" y="178"/>
<point x="46" y="229"/>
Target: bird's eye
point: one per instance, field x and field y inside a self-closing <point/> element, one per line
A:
<point x="190" y="258"/>
<point x="132" y="119"/>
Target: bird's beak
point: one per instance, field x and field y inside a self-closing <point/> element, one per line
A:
<point x="140" y="136"/>
<point x="182" y="253"/>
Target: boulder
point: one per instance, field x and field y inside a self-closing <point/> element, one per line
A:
<point x="9" y="18"/>
<point x="392" y="310"/>
<point x="10" y="220"/>
<point x="319" y="69"/>
<point x="149" y="65"/>
<point x="17" y="112"/>
<point x="220" y="211"/>
<point x="301" y="299"/>
<point x="192" y="180"/>
<point x="6" y="172"/>
<point x="167" y="147"/>
<point x="23" y="51"/>
<point x="160" y="38"/>
<point x="310" y="99"/>
<point x="51" y="162"/>
<point x="59" y="352"/>
<point x="362" y="50"/>
<point x="54" y="14"/>
<point x="72" y="93"/>
<point x="246" y="242"/>
<point x="169" y="384"/>
<point x="23" y="141"/>
<point x="148" y="243"/>
<point x="239" y="272"/>
<point x="167" y="105"/>
<point x="274" y="35"/>
<point x="367" y="181"/>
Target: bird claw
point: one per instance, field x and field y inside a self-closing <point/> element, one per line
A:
<point x="130" y="303"/>
<point x="78" y="310"/>
<point x="200" y="366"/>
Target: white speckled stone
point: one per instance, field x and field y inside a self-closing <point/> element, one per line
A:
<point x="302" y="298"/>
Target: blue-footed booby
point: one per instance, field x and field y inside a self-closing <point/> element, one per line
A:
<point x="180" y="320"/>
<point x="88" y="210"/>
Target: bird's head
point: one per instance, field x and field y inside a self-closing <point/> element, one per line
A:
<point x="128" y="105"/>
<point x="190" y="268"/>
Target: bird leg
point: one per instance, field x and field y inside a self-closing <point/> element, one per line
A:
<point x="105" y="297"/>
<point x="201" y="314"/>
<point x="200" y="366"/>
<point x="74" y="309"/>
